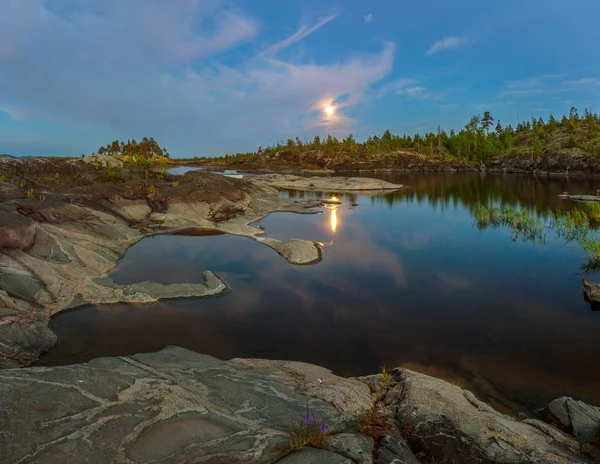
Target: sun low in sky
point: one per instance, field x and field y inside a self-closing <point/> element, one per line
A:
<point x="329" y="110"/>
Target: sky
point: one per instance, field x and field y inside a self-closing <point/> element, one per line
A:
<point x="209" y="77"/>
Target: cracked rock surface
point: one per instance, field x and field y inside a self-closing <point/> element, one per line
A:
<point x="177" y="406"/>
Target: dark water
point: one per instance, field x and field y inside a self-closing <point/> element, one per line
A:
<point x="406" y="279"/>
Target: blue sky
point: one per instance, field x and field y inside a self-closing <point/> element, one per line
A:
<point x="206" y="77"/>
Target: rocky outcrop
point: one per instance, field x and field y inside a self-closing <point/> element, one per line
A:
<point x="294" y="251"/>
<point x="591" y="293"/>
<point x="324" y="184"/>
<point x="571" y="161"/>
<point x="103" y="160"/>
<point x="577" y="418"/>
<point x="323" y="160"/>
<point x="178" y="406"/>
<point x="55" y="254"/>
<point x="446" y="424"/>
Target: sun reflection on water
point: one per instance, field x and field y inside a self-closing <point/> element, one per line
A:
<point x="333" y="217"/>
<point x="333" y="220"/>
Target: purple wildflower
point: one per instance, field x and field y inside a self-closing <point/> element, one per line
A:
<point x="307" y="414"/>
<point x="323" y="426"/>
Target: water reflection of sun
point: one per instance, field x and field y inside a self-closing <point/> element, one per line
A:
<point x="333" y="220"/>
<point x="333" y="217"/>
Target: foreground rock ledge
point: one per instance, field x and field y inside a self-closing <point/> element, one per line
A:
<point x="177" y="406"/>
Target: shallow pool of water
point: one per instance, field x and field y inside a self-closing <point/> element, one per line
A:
<point x="407" y="279"/>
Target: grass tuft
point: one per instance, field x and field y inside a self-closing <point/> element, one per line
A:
<point x="309" y="432"/>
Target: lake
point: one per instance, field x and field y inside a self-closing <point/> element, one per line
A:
<point x="407" y="279"/>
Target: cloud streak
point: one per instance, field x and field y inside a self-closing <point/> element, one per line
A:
<point x="447" y="43"/>
<point x="300" y="34"/>
<point x="369" y="18"/>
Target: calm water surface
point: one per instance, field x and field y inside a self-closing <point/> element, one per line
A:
<point x="406" y="279"/>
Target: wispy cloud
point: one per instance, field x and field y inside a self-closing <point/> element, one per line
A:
<point x="412" y="91"/>
<point x="171" y="82"/>
<point x="368" y="18"/>
<point x="394" y="86"/>
<point x="15" y="113"/>
<point x="585" y="81"/>
<point x="534" y="86"/>
<point x="447" y="43"/>
<point x="300" y="34"/>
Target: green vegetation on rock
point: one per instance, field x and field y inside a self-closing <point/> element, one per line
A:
<point x="135" y="154"/>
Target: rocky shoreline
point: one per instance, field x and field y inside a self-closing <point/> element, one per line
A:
<point x="177" y="406"/>
<point x="571" y="163"/>
<point x="62" y="233"/>
<point x="58" y="243"/>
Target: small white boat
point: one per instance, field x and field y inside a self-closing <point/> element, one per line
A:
<point x="233" y="174"/>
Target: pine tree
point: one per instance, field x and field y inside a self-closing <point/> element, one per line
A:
<point x="487" y="121"/>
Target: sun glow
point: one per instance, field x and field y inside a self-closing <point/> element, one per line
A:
<point x="329" y="110"/>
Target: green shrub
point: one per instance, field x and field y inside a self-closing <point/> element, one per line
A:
<point x="111" y="175"/>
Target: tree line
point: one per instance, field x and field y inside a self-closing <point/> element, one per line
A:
<point x="480" y="139"/>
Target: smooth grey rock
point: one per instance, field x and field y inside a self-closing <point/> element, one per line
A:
<point x="450" y="426"/>
<point x="576" y="417"/>
<point x="294" y="251"/>
<point x="21" y="286"/>
<point x="23" y="339"/>
<point x="106" y="291"/>
<point x="179" y="406"/>
<point x="172" y="406"/>
<point x="324" y="184"/>
<point x="47" y="248"/>
<point x="580" y="197"/>
<point x="355" y="446"/>
<point x="394" y="449"/>
<point x="314" y="456"/>
<point x="591" y="293"/>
